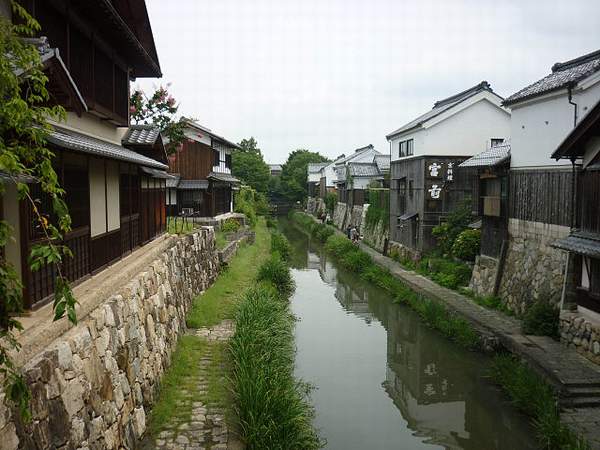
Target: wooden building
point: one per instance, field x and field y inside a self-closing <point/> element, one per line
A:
<point x="314" y="178"/>
<point x="492" y="167"/>
<point x="424" y="190"/>
<point x="202" y="185"/>
<point x="582" y="149"/>
<point x="115" y="195"/>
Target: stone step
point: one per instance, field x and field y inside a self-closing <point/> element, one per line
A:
<point x="580" y="402"/>
<point x="582" y="391"/>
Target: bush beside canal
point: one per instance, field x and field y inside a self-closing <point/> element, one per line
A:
<point x="532" y="395"/>
<point x="271" y="405"/>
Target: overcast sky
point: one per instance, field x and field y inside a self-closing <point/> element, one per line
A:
<point x="335" y="75"/>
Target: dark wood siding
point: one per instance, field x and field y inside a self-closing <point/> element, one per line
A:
<point x="541" y="196"/>
<point x="194" y="161"/>
<point x="589" y="201"/>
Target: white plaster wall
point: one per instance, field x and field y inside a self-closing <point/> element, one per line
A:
<point x="92" y="126"/>
<point x="97" y="198"/>
<point x="314" y="177"/>
<point x="538" y="128"/>
<point x="11" y="216"/>
<point x="171" y="196"/>
<point x="112" y="191"/>
<point x="468" y="132"/>
<point x="329" y="173"/>
<point x="418" y="138"/>
<point x="198" y="136"/>
<point x="361" y="183"/>
<point x="221" y="167"/>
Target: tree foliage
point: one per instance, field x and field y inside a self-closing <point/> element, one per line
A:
<point x="250" y="167"/>
<point x="24" y="115"/>
<point x="294" y="177"/>
<point x="159" y="109"/>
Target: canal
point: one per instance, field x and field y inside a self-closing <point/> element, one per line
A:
<point x="382" y="379"/>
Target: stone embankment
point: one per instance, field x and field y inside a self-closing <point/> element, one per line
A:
<point x="93" y="386"/>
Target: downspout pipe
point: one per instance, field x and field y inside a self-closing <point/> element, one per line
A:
<point x="571" y="102"/>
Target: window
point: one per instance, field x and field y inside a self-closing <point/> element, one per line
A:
<point x="406" y="148"/>
<point x="402" y="196"/>
<point x="228" y="161"/>
<point x="497" y="141"/>
<point x="216" y="157"/>
<point x="409" y="147"/>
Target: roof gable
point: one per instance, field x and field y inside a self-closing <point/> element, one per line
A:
<point x="564" y="75"/>
<point x="442" y="106"/>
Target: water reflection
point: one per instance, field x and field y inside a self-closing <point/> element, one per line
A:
<point x="383" y="379"/>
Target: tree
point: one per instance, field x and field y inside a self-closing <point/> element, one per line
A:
<point x="250" y="167"/>
<point x="294" y="177"/>
<point x="24" y="127"/>
<point x="160" y="110"/>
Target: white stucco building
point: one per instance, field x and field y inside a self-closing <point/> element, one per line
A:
<point x="460" y="125"/>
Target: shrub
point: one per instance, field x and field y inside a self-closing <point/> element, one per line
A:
<point x="230" y="225"/>
<point x="356" y="260"/>
<point x="450" y="274"/>
<point x="541" y="319"/>
<point x="466" y="246"/>
<point x="339" y="245"/>
<point x="330" y="202"/>
<point x="271" y="406"/>
<point x="275" y="271"/>
<point x="447" y="232"/>
<point x="271" y="222"/>
<point x="281" y="245"/>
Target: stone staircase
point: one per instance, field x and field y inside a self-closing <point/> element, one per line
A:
<point x="580" y="395"/>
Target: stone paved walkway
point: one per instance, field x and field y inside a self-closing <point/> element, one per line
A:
<point x="207" y="427"/>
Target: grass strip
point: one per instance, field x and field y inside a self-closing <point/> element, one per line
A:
<point x="271" y="405"/>
<point x="219" y="301"/>
<point x="532" y="395"/>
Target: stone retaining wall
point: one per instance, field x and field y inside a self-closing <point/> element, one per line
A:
<point x="533" y="269"/>
<point x="376" y="236"/>
<point x="483" y="279"/>
<point x="93" y="387"/>
<point x="582" y="333"/>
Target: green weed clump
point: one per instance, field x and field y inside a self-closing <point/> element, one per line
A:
<point x="272" y="406"/>
<point x="446" y="272"/>
<point x="230" y="226"/>
<point x="541" y="319"/>
<point x="531" y="394"/>
<point x="319" y="231"/>
<point x="281" y="245"/>
<point x="275" y="271"/>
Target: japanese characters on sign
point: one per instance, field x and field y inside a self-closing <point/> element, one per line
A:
<point x="444" y="171"/>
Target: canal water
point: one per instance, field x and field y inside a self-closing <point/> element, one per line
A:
<point x="382" y="379"/>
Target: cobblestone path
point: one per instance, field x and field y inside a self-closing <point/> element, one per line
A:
<point x="206" y="427"/>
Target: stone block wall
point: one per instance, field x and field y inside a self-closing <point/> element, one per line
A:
<point x="92" y="388"/>
<point x="533" y="269"/>
<point x="402" y="252"/>
<point x="339" y="216"/>
<point x="582" y="333"/>
<point x="483" y="279"/>
<point x="376" y="236"/>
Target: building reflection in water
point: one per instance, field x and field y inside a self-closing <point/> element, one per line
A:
<point x="438" y="388"/>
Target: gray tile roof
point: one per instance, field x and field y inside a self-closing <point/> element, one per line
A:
<point x="383" y="162"/>
<point x="356" y="153"/>
<point x="580" y="243"/>
<point x="223" y="177"/>
<point x="490" y="157"/>
<point x="173" y="182"/>
<point x="275" y="167"/>
<point x="363" y="170"/>
<point x="141" y="135"/>
<point x="192" y="184"/>
<point x="562" y="76"/>
<point x="85" y="144"/>
<point x="155" y="173"/>
<point x="316" y="167"/>
<point x="441" y="106"/>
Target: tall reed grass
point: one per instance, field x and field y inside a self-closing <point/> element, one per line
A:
<point x="532" y="395"/>
<point x="272" y="406"/>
